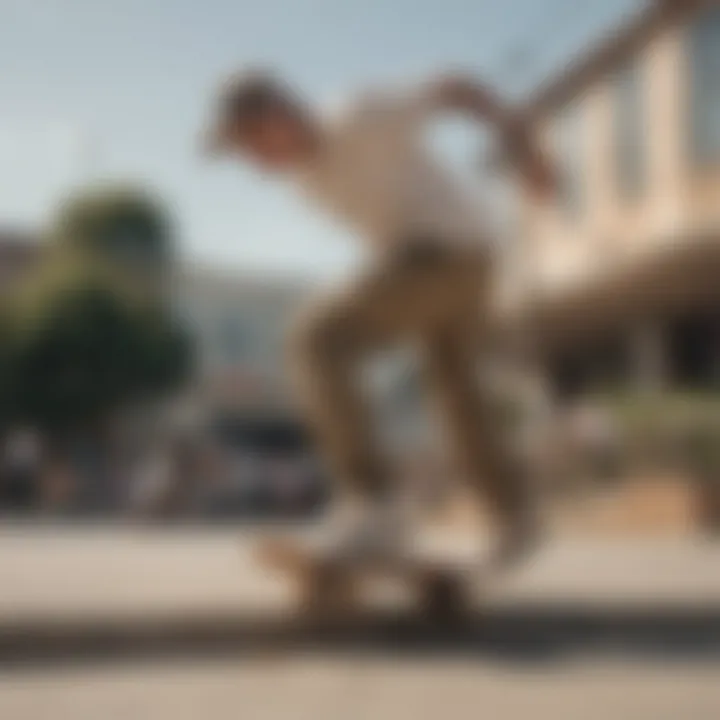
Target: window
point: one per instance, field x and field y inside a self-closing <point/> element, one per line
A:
<point x="705" y="87"/>
<point x="629" y="120"/>
<point x="570" y="160"/>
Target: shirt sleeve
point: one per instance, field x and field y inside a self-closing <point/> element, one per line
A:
<point x="406" y="108"/>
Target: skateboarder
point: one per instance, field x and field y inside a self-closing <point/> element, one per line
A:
<point x="427" y="281"/>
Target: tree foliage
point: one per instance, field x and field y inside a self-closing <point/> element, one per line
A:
<point x="78" y="341"/>
<point x="123" y="226"/>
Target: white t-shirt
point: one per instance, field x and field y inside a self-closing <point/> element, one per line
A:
<point x="375" y="173"/>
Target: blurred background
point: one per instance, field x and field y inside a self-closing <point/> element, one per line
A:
<point x="144" y="296"/>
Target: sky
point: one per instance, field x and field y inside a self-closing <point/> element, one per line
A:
<point x="120" y="89"/>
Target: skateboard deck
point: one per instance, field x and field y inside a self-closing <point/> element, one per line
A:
<point x="331" y="586"/>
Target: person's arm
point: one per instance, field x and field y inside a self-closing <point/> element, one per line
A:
<point x="461" y="94"/>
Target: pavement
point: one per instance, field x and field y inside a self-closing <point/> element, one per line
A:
<point x="360" y="687"/>
<point x="106" y="622"/>
<point x="112" y="588"/>
<point x="97" y="571"/>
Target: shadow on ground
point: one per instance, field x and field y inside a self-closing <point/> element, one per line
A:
<point x="524" y="634"/>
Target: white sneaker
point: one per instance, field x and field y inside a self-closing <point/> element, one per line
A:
<point x="516" y="543"/>
<point x="370" y="530"/>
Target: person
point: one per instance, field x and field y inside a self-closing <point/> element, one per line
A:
<point x="427" y="281"/>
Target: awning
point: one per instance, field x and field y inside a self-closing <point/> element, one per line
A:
<point x="682" y="275"/>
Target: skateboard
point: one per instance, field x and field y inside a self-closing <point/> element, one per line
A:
<point x="330" y="587"/>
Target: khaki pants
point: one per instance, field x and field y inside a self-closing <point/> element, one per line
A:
<point x="435" y="296"/>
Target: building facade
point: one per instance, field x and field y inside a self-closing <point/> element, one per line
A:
<point x="625" y="261"/>
<point x="239" y="324"/>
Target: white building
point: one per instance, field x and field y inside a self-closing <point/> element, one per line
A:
<point x="238" y="322"/>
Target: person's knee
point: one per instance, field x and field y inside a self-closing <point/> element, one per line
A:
<point x="319" y="335"/>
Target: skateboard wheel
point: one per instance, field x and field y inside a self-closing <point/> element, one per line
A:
<point x="443" y="597"/>
<point x="328" y="592"/>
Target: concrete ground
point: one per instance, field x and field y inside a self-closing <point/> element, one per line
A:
<point x="626" y="629"/>
<point x="81" y="573"/>
<point x="355" y="688"/>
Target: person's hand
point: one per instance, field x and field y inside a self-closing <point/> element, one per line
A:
<point x="528" y="159"/>
<point x="540" y="176"/>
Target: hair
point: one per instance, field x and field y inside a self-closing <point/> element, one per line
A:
<point x="252" y="95"/>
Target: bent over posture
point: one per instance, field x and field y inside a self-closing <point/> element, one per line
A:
<point x="427" y="282"/>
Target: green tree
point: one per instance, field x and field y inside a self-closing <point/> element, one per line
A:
<point x="79" y="349"/>
<point x="92" y="332"/>
<point x="125" y="227"/>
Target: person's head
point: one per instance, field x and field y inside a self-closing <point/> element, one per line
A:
<point x="261" y="120"/>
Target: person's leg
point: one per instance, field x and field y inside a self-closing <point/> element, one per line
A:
<point x="472" y="424"/>
<point x="399" y="300"/>
<point x="329" y="343"/>
<point x="477" y="433"/>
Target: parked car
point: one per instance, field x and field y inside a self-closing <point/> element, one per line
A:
<point x="271" y="469"/>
